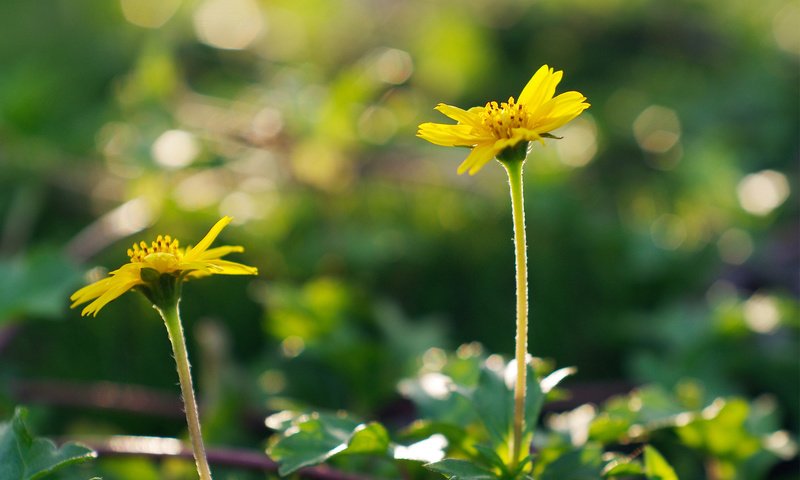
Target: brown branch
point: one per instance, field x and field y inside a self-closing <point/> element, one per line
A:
<point x="162" y="447"/>
<point x="101" y="395"/>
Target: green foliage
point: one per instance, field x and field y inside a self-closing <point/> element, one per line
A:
<point x="646" y="267"/>
<point x="579" y="464"/>
<point x="476" y="438"/>
<point x="306" y="440"/>
<point x="35" y="285"/>
<point x="25" y="457"/>
<point x="313" y="439"/>
<point x="461" y="470"/>
<point x="655" y="467"/>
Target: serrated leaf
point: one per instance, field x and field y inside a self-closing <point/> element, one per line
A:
<point x="25" y="457"/>
<point x="656" y="467"/>
<point x="314" y="439"/>
<point x="461" y="470"/>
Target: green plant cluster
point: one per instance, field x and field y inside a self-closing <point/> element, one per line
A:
<point x="662" y="232"/>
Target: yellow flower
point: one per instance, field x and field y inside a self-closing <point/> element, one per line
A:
<point x="494" y="129"/>
<point x="162" y="256"/>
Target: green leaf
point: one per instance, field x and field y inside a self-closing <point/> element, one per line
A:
<point x="580" y="464"/>
<point x="490" y="457"/>
<point x="622" y="466"/>
<point x="722" y="431"/>
<point x="369" y="438"/>
<point x="313" y="439"/>
<point x="493" y="402"/>
<point x="27" y="458"/>
<point x="655" y="467"/>
<point x="461" y="470"/>
<point x="35" y="284"/>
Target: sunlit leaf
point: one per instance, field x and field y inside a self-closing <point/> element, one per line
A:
<point x="313" y="439"/>
<point x="656" y="467"/>
<point x="580" y="464"/>
<point x="25" y="457"/>
<point x="493" y="402"/>
<point x="461" y="470"/>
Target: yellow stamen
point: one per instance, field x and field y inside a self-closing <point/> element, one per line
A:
<point x="502" y="119"/>
<point x="162" y="244"/>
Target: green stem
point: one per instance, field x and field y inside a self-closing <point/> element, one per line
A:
<point x="514" y="170"/>
<point x="172" y="319"/>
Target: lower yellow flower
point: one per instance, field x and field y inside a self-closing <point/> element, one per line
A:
<point x="496" y="129"/>
<point x="162" y="256"/>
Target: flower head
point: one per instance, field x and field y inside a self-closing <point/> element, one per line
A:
<point x="496" y="128"/>
<point x="163" y="256"/>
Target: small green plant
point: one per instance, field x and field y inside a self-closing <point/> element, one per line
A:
<point x="465" y="405"/>
<point x="158" y="271"/>
<point x="504" y="132"/>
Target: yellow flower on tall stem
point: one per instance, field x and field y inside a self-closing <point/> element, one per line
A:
<point x="162" y="256"/>
<point x="496" y="130"/>
<point x="504" y="131"/>
<point x="158" y="271"/>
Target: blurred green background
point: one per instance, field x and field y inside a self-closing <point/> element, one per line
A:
<point x="663" y="232"/>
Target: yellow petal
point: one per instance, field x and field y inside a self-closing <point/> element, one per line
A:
<point x="111" y="294"/>
<point x="107" y="289"/>
<point x="91" y="291"/>
<point x="128" y="272"/>
<point x="219" y="252"/>
<point x="225" y="267"/>
<point x="461" y="116"/>
<point x="563" y="104"/>
<point x="519" y="135"/>
<point x="552" y="123"/>
<point x="540" y="88"/>
<point x="202" y="245"/>
<point x="478" y="157"/>
<point x="449" y="135"/>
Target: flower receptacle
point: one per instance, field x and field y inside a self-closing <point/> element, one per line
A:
<point x="515" y="153"/>
<point x="163" y="290"/>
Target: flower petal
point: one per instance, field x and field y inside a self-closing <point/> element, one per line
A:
<point x="465" y="117"/>
<point x="540" y="88"/>
<point x="107" y="289"/>
<point x="225" y="267"/>
<point x="220" y="252"/>
<point x="128" y="272"/>
<point x="111" y="294"/>
<point x="450" y="135"/>
<point x="193" y="252"/>
<point x="478" y="157"/>
<point x="561" y="105"/>
<point x="551" y="123"/>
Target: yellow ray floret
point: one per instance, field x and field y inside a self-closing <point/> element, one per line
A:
<point x="163" y="255"/>
<point x="491" y="129"/>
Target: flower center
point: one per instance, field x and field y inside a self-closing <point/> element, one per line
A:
<point x="162" y="244"/>
<point x="502" y="119"/>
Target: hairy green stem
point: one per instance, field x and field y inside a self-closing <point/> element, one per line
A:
<point x="172" y="320"/>
<point x="514" y="170"/>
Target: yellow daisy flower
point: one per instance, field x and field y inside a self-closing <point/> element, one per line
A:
<point x="162" y="256"/>
<point x="494" y="129"/>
